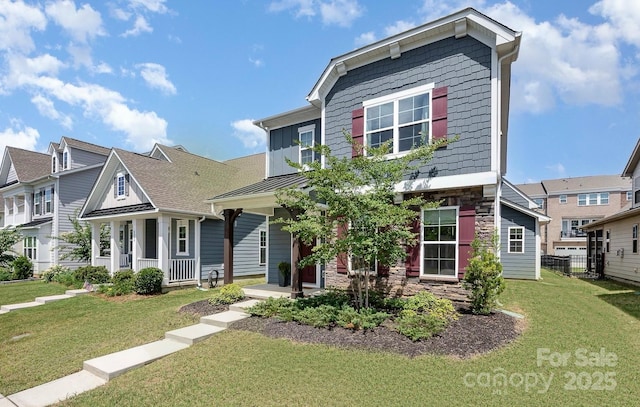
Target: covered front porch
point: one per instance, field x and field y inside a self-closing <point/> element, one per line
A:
<point x="138" y="241"/>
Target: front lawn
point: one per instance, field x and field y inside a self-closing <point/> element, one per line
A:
<point x="14" y="293"/>
<point x="568" y="320"/>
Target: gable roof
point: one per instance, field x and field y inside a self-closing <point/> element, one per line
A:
<point x="83" y="145"/>
<point x="533" y="190"/>
<point x="597" y="183"/>
<point x="633" y="161"/>
<point x="29" y="165"/>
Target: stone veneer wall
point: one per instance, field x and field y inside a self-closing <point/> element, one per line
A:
<point x="397" y="283"/>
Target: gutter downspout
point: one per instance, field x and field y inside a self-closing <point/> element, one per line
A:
<point x="199" y="262"/>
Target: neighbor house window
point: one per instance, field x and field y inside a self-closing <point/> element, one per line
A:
<point x="120" y="185"/>
<point x="37" y="203"/>
<point x="30" y="247"/>
<point x="629" y="195"/>
<point x="573" y="227"/>
<point x="403" y="119"/>
<point x="48" y="207"/>
<point x="263" y="248"/>
<point x="598" y="198"/>
<point x="439" y="241"/>
<point x="562" y="199"/>
<point x="607" y="239"/>
<point x="539" y="202"/>
<point x="634" y="238"/>
<point x="516" y="239"/>
<point x="183" y="237"/>
<point x="306" y="136"/>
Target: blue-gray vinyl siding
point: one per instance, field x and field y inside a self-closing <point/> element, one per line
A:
<point x="510" y="194"/>
<point x="518" y="265"/>
<point x="279" y="247"/>
<point x="246" y="247"/>
<point x="191" y="240"/>
<point x="283" y="144"/>
<point x="81" y="158"/>
<point x="462" y="65"/>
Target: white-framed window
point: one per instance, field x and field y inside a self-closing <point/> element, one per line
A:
<point x="607" y="240"/>
<point x="629" y="195"/>
<point x="182" y="237"/>
<point x="262" y="248"/>
<point x="37" y="203"/>
<point x="48" y="206"/>
<point x="54" y="163"/>
<point x="516" y="239"/>
<point x="573" y="227"/>
<point x="634" y="239"/>
<point x="31" y="247"/>
<point x="306" y="137"/>
<point x="562" y="199"/>
<point x="404" y="118"/>
<point x="120" y="186"/>
<point x="440" y="241"/>
<point x="65" y="160"/>
<point x="539" y="202"/>
<point x="595" y="198"/>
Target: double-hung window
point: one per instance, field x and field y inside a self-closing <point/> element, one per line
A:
<point x="37" y="203"/>
<point x="48" y="207"/>
<point x="30" y="247"/>
<point x="120" y="185"/>
<point x="597" y="198"/>
<point x="562" y="199"/>
<point x="306" y="136"/>
<point x="516" y="239"/>
<point x="183" y="237"/>
<point x="65" y="160"/>
<point x="262" y="247"/>
<point x="440" y="241"/>
<point x="634" y="239"/>
<point x="403" y="119"/>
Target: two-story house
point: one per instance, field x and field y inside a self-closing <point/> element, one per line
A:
<point x="154" y="208"/>
<point x="446" y="78"/>
<point x="612" y="242"/>
<point x="573" y="203"/>
<point x="42" y="191"/>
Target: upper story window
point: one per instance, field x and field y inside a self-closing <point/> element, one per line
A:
<point x="48" y="207"/>
<point x="403" y="119"/>
<point x="65" y="160"/>
<point x="54" y="163"/>
<point x="37" y="203"/>
<point x="539" y="202"/>
<point x="629" y="195"/>
<point x="121" y="185"/>
<point x="183" y="237"/>
<point x="562" y="199"/>
<point x="597" y="198"/>
<point x="306" y="136"/>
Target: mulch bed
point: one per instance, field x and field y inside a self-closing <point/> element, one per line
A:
<point x="469" y="336"/>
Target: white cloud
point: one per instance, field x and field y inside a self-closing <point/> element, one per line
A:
<point x="46" y="108"/>
<point x="557" y="169"/>
<point x="338" y="12"/>
<point x="398" y="27"/>
<point x="623" y="16"/>
<point x="156" y="77"/>
<point x="103" y="67"/>
<point x="139" y="26"/>
<point x="19" y="136"/>
<point x="302" y="8"/>
<point x="257" y="62"/>
<point x="433" y="9"/>
<point x="82" y="24"/>
<point x="365" y="39"/>
<point x="155" y="6"/>
<point x="250" y="135"/>
<point x="18" y="20"/>
<point x="120" y="14"/>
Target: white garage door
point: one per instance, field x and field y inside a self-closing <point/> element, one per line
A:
<point x="571" y="251"/>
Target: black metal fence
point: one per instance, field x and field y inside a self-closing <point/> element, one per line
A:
<point x="575" y="265"/>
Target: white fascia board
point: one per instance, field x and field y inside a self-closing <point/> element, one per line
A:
<point x="540" y="217"/>
<point x="291" y="117"/>
<point x="448" y="182"/>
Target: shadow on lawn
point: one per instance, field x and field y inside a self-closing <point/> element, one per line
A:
<point x="628" y="302"/>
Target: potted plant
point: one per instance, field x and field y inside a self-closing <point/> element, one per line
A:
<point x="284" y="274"/>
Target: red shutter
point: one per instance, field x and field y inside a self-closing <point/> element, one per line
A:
<point x="412" y="263"/>
<point x="342" y="260"/>
<point x="383" y="270"/>
<point x="439" y="110"/>
<point x="357" y="130"/>
<point x="467" y="225"/>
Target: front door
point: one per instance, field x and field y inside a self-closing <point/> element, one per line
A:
<point x="308" y="274"/>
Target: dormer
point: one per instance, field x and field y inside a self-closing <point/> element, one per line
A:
<point x="632" y="170"/>
<point x="54" y="162"/>
<point x="66" y="158"/>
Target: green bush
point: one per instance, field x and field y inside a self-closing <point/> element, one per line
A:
<point x="123" y="282"/>
<point x="335" y="298"/>
<point x="426" y="302"/>
<point x="22" y="268"/>
<point x="50" y="274"/>
<point x="5" y="275"/>
<point x="367" y="318"/>
<point x="228" y="294"/>
<point x="92" y="274"/>
<point x="418" y="326"/>
<point x="271" y="307"/>
<point x="484" y="278"/>
<point x="319" y="317"/>
<point x="67" y="278"/>
<point x="149" y="281"/>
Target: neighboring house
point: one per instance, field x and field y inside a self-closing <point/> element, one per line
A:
<point x="41" y="191"/>
<point x="573" y="203"/>
<point x="154" y="206"/>
<point x="612" y="242"/>
<point x="445" y="78"/>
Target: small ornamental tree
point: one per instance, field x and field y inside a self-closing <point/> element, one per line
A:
<point x="347" y="207"/>
<point x="76" y="244"/>
<point x="484" y="278"/>
<point x="8" y="239"/>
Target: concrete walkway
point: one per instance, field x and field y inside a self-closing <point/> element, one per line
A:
<point x="41" y="301"/>
<point x="99" y="371"/>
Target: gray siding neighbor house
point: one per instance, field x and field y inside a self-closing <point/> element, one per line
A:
<point x="43" y="191"/>
<point x="154" y="207"/>
<point x="444" y="79"/>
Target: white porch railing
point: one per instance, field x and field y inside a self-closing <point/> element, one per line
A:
<point x="104" y="261"/>
<point x="125" y="261"/>
<point x="182" y="270"/>
<point x="144" y="263"/>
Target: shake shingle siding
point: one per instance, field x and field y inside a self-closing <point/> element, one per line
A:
<point x="517" y="265"/>
<point x="462" y="65"/>
<point x="283" y="144"/>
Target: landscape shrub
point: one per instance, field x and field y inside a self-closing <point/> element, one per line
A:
<point x="271" y="307"/>
<point x="319" y="317"/>
<point x="22" y="268"/>
<point x="367" y="318"/>
<point x="67" y="278"/>
<point x="149" y="281"/>
<point x="483" y="277"/>
<point x="5" y="275"/>
<point x="92" y="274"/>
<point x="418" y="326"/>
<point x="123" y="282"/>
<point x="50" y="274"/>
<point x="426" y="302"/>
<point x="228" y="294"/>
<point x="334" y="297"/>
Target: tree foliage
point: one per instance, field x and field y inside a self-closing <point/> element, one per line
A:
<point x="76" y="244"/>
<point x="8" y="238"/>
<point x="483" y="277"/>
<point x="348" y="206"/>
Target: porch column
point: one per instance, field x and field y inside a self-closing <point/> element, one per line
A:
<point x="7" y="221"/>
<point x="230" y="216"/>
<point x="138" y="239"/>
<point x="197" y="244"/>
<point x="164" y="223"/>
<point x="296" y="246"/>
<point x="95" y="242"/>
<point x="115" y="246"/>
<point x="28" y="209"/>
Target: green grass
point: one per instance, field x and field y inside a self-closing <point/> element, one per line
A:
<point x="44" y="343"/>
<point x="13" y="293"/>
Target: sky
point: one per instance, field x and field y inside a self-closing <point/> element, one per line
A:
<point x="130" y="73"/>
